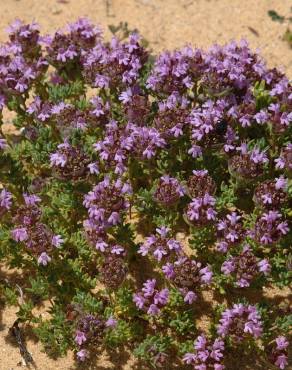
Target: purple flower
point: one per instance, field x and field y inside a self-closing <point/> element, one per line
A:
<point x="188" y="276"/>
<point x="207" y="354"/>
<point x="168" y="191"/>
<point x="281" y="342"/>
<point x="174" y="72"/>
<point x="126" y="96"/>
<point x="262" y="117"/>
<point x="200" y="183"/>
<point x="139" y="300"/>
<point x="230" y="231"/>
<point x="190" y="297"/>
<point x="160" y="245"/>
<point x="206" y="275"/>
<point x="228" y="267"/>
<point x="208" y="123"/>
<point x="240" y="322"/>
<point x="19" y="234"/>
<point x="69" y="162"/>
<point x="82" y="355"/>
<point x="278" y="355"/>
<point x="5" y="201"/>
<point x="57" y="241"/>
<point x="149" y="287"/>
<point x="58" y="159"/>
<point x="150" y="299"/>
<point x="168" y="270"/>
<point x="264" y="266"/>
<point x="145" y="141"/>
<point x="80" y="337"/>
<point x="31" y="199"/>
<point x="3" y="144"/>
<point x="101" y="245"/>
<point x="44" y="259"/>
<point x="285" y="159"/>
<point x="201" y="210"/>
<point x="107" y="201"/>
<point x="161" y="297"/>
<point x="245" y="267"/>
<point x="153" y="310"/>
<point x="111" y="322"/>
<point x="247" y="165"/>
<point x="269" y="228"/>
<point x="93" y="168"/>
<point x="282" y="361"/>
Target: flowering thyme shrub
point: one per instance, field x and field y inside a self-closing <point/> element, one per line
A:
<point x="136" y="187"/>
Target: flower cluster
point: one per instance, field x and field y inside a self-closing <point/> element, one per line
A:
<point x="201" y="210"/>
<point x="230" y="231"/>
<point x="37" y="236"/>
<point x="89" y="331"/>
<point x="240" y="322"/>
<point x="176" y="71"/>
<point x="208" y="123"/>
<point x="114" y="147"/>
<point x="71" y="162"/>
<point x="113" y="271"/>
<point x="245" y="267"/>
<point x="115" y="65"/>
<point x="285" y="159"/>
<point x="150" y="299"/>
<point x="3" y="143"/>
<point x="200" y="183"/>
<point x="207" y="355"/>
<point x="146" y="141"/>
<point x="247" y="165"/>
<point x="69" y="45"/>
<point x="168" y="191"/>
<point x="271" y="193"/>
<point x="5" y="201"/>
<point x="172" y="117"/>
<point x="188" y="276"/>
<point x="278" y="352"/>
<point x="161" y="245"/>
<point x="107" y="201"/>
<point x="21" y="62"/>
<point x="269" y="228"/>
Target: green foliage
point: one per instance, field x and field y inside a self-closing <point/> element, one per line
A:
<point x="262" y="95"/>
<point x="10" y="295"/>
<point x="275" y="16"/>
<point x="123" y="334"/>
<point x="89" y="302"/>
<point x="62" y="92"/>
<point x="227" y="197"/>
<point x="153" y="346"/>
<point x="55" y="333"/>
<point x="39" y="288"/>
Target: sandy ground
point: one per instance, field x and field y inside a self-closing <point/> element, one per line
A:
<point x="165" y="24"/>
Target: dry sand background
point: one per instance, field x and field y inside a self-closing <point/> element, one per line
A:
<point x="165" y="24"/>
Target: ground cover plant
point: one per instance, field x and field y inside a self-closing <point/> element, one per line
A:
<point x="138" y="183"/>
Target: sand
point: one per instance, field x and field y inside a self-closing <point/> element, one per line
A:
<point x="166" y="24"/>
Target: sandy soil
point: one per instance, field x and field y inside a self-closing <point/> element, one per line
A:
<point x="165" y="24"/>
